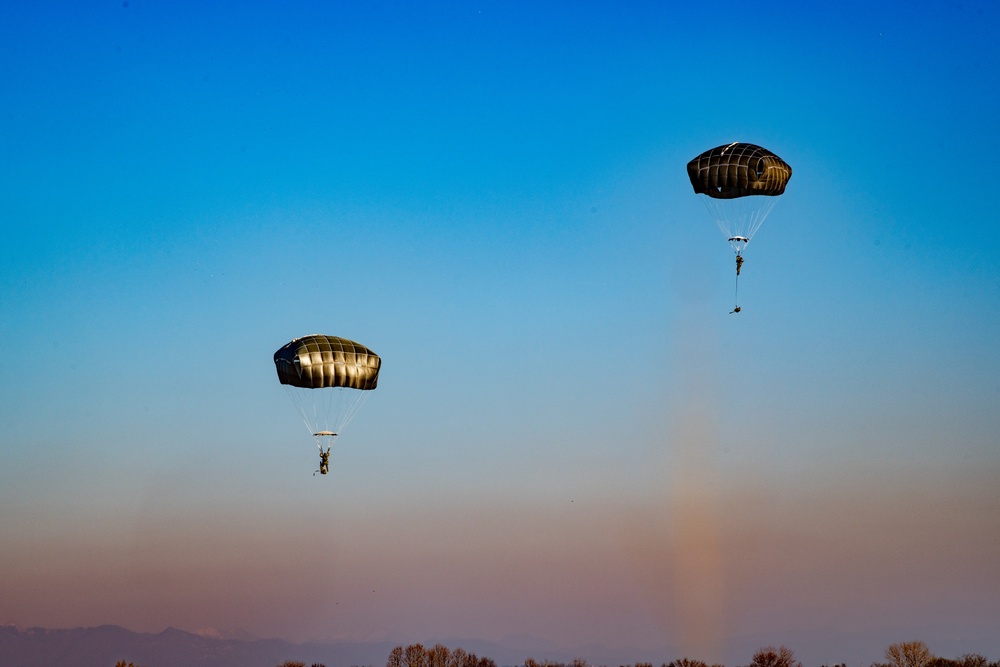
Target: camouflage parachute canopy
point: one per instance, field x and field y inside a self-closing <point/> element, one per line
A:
<point x="738" y="170"/>
<point x="317" y="361"/>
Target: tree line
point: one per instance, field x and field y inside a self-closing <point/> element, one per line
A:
<point x="903" y="654"/>
<point x="415" y="655"/>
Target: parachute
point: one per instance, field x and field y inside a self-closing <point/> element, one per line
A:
<point x="741" y="183"/>
<point x="328" y="379"/>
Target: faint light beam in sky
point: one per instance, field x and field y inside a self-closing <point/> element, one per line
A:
<point x="698" y="577"/>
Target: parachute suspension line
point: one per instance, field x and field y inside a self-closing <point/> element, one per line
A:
<point x="353" y="407"/>
<point x="716" y="213"/>
<point x="306" y="409"/>
<point x="327" y="410"/>
<point x="756" y="215"/>
<point x="739" y="218"/>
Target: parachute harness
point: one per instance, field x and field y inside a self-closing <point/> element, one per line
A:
<point x="324" y="462"/>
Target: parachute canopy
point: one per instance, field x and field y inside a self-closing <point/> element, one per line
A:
<point x="733" y="178"/>
<point x="327" y="378"/>
<point x="317" y="361"/>
<point x="738" y="170"/>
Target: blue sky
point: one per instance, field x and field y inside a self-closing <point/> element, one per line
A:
<point x="571" y="438"/>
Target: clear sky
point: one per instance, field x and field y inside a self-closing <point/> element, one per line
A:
<point x="572" y="439"/>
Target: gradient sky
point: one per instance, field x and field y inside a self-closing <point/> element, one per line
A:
<point x="572" y="439"/>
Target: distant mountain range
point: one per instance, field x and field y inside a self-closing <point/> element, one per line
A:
<point x="105" y="645"/>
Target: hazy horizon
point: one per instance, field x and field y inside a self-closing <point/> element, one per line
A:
<point x="572" y="438"/>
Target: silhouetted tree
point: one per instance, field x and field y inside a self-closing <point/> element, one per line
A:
<point x="577" y="662"/>
<point x="941" y="662"/>
<point x="438" y="656"/>
<point x="909" y="654"/>
<point x="531" y="662"/>
<point x="965" y="660"/>
<point x="774" y="657"/>
<point x="972" y="660"/>
<point x="687" y="662"/>
<point x="292" y="663"/>
<point x="415" y="656"/>
<point x="457" y="657"/>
